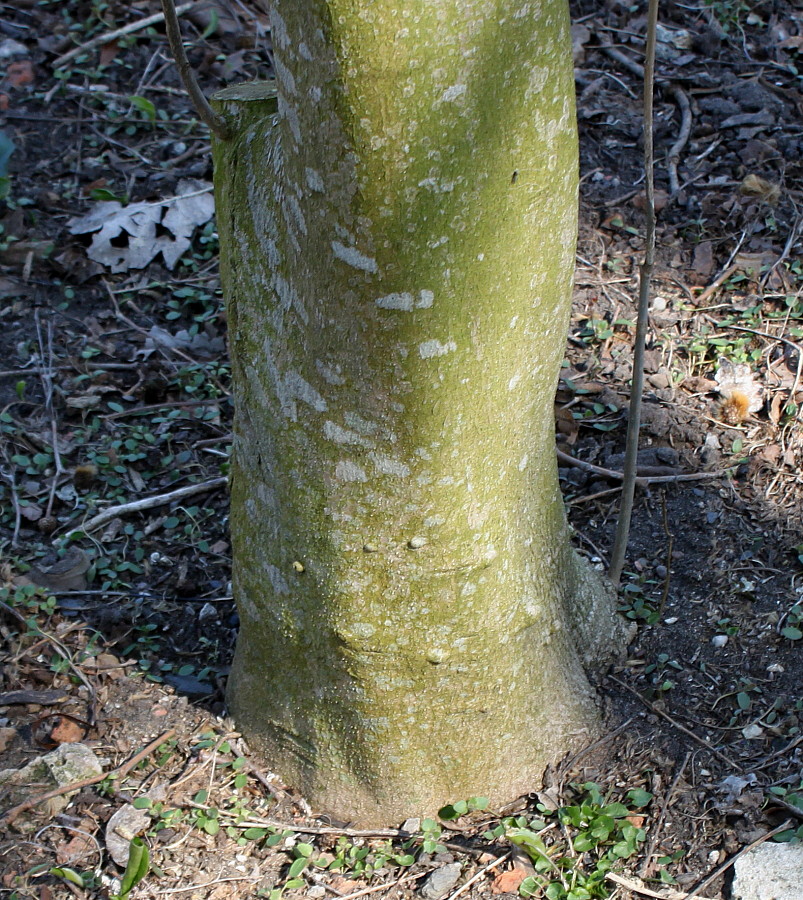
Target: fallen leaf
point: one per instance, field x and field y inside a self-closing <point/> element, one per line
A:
<point x="135" y="225"/>
<point x="753" y="186"/>
<point x="508" y="882"/>
<point x="703" y="262"/>
<point x="76" y="849"/>
<point x="20" y="73"/>
<point x="66" y="731"/>
<point x="108" y="52"/>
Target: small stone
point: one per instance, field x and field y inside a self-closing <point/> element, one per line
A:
<point x="752" y="732"/>
<point x="671" y="620"/>
<point x="440" y="882"/>
<point x="719" y="640"/>
<point x="126" y="824"/>
<point x="660" y="571"/>
<point x="659" y="304"/>
<point x="770" y="870"/>
<point x="417" y="542"/>
<point x="316" y="891"/>
<point x="207" y="611"/>
<point x="411" y="826"/>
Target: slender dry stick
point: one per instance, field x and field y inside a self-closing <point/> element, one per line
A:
<point x="120" y="772"/>
<point x="645" y="273"/>
<point x="123" y="509"/>
<point x="656" y="830"/>
<point x="109" y="36"/>
<point x="205" y="112"/>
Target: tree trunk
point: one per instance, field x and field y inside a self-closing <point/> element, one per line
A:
<point x="397" y="244"/>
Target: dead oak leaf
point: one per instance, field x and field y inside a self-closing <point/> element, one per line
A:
<point x="130" y="237"/>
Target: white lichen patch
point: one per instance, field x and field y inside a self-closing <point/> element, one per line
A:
<point x="351" y="256"/>
<point x="428" y="349"/>
<point x="314" y="180"/>
<point x="523" y="462"/>
<point x="329" y="374"/>
<point x="299" y="389"/>
<point x="276" y="579"/>
<point x="453" y="92"/>
<point x="425" y="299"/>
<point x="285" y="76"/>
<point x="437" y="187"/>
<point x="513" y="383"/>
<point x="278" y="29"/>
<point x="403" y="301"/>
<point x="363" y="426"/>
<point x="339" y="435"/>
<point x="346" y="470"/>
<point x="385" y="465"/>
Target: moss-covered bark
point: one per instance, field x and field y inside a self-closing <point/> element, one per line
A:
<point x="397" y="241"/>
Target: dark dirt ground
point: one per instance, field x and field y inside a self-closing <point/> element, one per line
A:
<point x="115" y="388"/>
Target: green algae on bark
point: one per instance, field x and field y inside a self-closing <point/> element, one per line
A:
<point x="397" y="223"/>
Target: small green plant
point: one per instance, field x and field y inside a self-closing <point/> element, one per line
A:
<point x="794" y="627"/>
<point x="136" y="869"/>
<point x="658" y="670"/>
<point x="729" y="13"/>
<point x="571" y="863"/>
<point x="793" y="798"/>
<point x="636" y="606"/>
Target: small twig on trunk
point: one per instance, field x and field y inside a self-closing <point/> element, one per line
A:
<point x="205" y="112"/>
<point x="120" y="772"/>
<point x="123" y="509"/>
<point x="109" y="36"/>
<point x="673" y="157"/>
<point x="640" y="340"/>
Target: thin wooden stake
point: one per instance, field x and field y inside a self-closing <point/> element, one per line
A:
<point x="645" y="273"/>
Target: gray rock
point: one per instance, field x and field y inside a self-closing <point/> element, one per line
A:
<point x="440" y="882"/>
<point x="770" y="872"/>
<point x="127" y="823"/>
<point x="64" y="765"/>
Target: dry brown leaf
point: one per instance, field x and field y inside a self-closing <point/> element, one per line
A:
<point x="508" y="882"/>
<point x="108" y="52"/>
<point x="67" y="731"/>
<point x="20" y="73"/>
<point x="755" y="186"/>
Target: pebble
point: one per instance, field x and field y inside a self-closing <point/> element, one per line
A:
<point x="440" y="882"/>
<point x="719" y="640"/>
